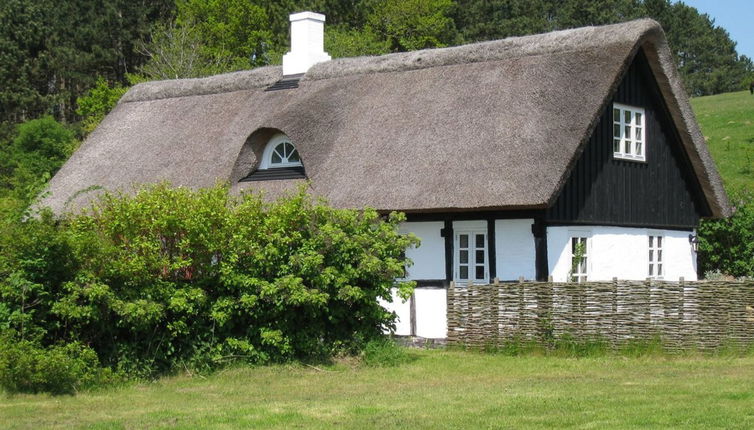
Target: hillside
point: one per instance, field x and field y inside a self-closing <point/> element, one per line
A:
<point x="727" y="121"/>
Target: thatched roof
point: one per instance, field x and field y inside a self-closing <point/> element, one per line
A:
<point x="481" y="126"/>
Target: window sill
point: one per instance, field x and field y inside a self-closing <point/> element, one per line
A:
<point x="642" y="160"/>
<point x="277" y="173"/>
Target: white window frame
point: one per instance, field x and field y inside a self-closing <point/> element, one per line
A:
<point x="274" y="141"/>
<point x="655" y="257"/>
<point x="472" y="262"/>
<point x="629" y="137"/>
<point x="584" y="269"/>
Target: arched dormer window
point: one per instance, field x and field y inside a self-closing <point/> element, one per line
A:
<point x="277" y="157"/>
<point x="280" y="152"/>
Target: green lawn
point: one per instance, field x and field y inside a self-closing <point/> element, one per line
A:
<point x="727" y="122"/>
<point x="438" y="389"/>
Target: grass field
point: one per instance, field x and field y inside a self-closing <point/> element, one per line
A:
<point x="727" y="122"/>
<point x="436" y="389"/>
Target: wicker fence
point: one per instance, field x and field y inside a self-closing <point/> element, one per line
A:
<point x="682" y="315"/>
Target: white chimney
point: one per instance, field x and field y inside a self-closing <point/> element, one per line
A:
<point x="307" y="43"/>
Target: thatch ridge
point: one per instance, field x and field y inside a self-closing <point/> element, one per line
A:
<point x="563" y="41"/>
<point x="260" y="77"/>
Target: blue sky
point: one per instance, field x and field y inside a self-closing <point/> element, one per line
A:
<point x="736" y="16"/>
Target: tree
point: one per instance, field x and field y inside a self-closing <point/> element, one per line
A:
<point x="727" y="245"/>
<point x="346" y="42"/>
<point x="97" y="102"/>
<point x="408" y="25"/>
<point x="497" y="19"/>
<point x="233" y="29"/>
<point x="179" y="52"/>
<point x="23" y="60"/>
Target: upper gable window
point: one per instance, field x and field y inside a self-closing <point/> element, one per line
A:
<point x="628" y="132"/>
<point x="280" y="152"/>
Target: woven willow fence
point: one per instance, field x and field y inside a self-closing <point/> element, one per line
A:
<point x="681" y="315"/>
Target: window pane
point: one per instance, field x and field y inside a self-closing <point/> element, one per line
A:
<point x="582" y="266"/>
<point x="616" y="131"/>
<point x="276" y="158"/>
<point x="651" y="255"/>
<point x="479" y="272"/>
<point x="616" y="145"/>
<point x="293" y="156"/>
<point x="627" y="132"/>
<point x="627" y="150"/>
<point x="464" y="257"/>
<point x="616" y="115"/>
<point x="464" y="240"/>
<point x="638" y="118"/>
<point x="463" y="272"/>
<point x="627" y="116"/>
<point x="651" y="240"/>
<point x="659" y="270"/>
<point x="479" y="256"/>
<point x="659" y="255"/>
<point x="288" y="149"/>
<point x="480" y="241"/>
<point x="651" y="269"/>
<point x="638" y="148"/>
<point x="574" y="244"/>
<point x="659" y="241"/>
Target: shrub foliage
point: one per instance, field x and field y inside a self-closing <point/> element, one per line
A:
<point x="727" y="245"/>
<point x="170" y="278"/>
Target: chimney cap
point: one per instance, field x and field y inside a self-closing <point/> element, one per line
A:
<point x="307" y="15"/>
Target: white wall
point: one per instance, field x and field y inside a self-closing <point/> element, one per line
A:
<point x="429" y="263"/>
<point x="681" y="260"/>
<point x="431" y="312"/>
<point x="514" y="248"/>
<point x="620" y="252"/>
<point x="429" y="257"/>
<point x="403" y="312"/>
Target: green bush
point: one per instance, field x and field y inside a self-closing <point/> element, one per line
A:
<point x="727" y="245"/>
<point x="384" y="352"/>
<point x="29" y="368"/>
<point x="97" y="102"/>
<point x="170" y="278"/>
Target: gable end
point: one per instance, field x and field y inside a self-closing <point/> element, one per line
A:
<point x="661" y="191"/>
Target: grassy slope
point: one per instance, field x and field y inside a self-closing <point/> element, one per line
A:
<point x="727" y="121"/>
<point x="438" y="389"/>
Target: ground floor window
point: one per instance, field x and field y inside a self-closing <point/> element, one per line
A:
<point x="471" y="261"/>
<point x="579" y="258"/>
<point x="655" y="257"/>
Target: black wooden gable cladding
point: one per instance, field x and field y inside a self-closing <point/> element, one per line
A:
<point x="661" y="192"/>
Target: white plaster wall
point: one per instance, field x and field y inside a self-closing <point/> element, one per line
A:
<point x="680" y="260"/>
<point x="403" y="312"/>
<point x="620" y="252"/>
<point x="514" y="248"/>
<point x="429" y="263"/>
<point x="429" y="257"/>
<point x="431" y="315"/>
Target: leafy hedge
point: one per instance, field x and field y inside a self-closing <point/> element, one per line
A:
<point x="727" y="245"/>
<point x="171" y="278"/>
